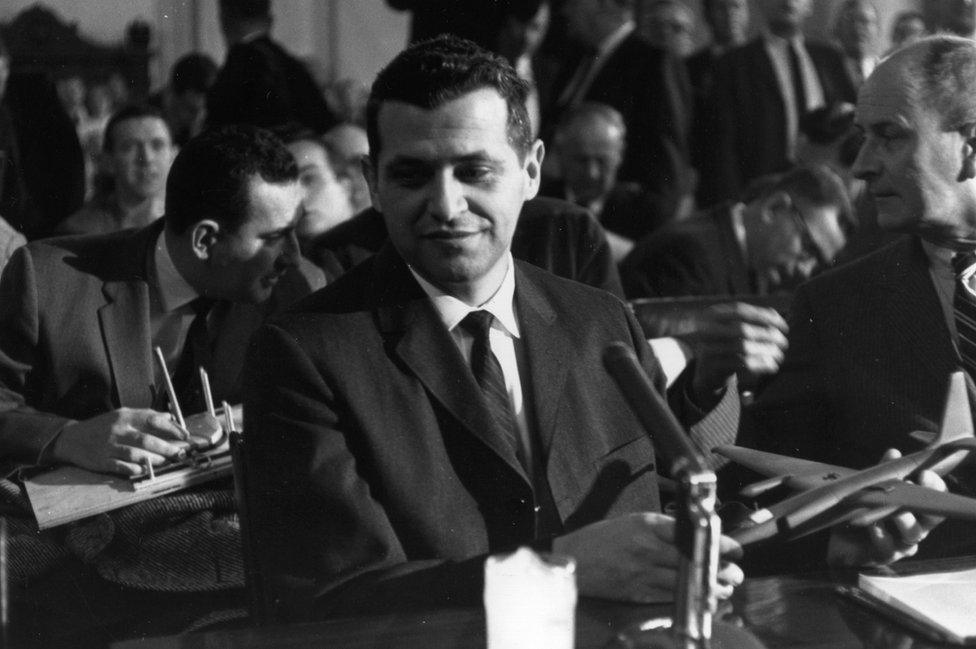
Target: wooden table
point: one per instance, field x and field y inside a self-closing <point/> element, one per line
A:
<point x="786" y="611"/>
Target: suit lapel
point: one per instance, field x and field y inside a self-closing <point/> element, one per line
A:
<point x="418" y="338"/>
<point x="124" y="321"/>
<point x="545" y="345"/>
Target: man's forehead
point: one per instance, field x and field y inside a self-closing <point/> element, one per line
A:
<point x="272" y="205"/>
<point x="469" y="121"/>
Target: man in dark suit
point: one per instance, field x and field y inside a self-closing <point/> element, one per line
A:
<point x="872" y="343"/>
<point x="785" y="228"/>
<point x="79" y="384"/>
<point x="649" y="87"/>
<point x="590" y="142"/>
<point x="83" y="399"/>
<point x="260" y="83"/>
<point x="551" y="234"/>
<point x="764" y="88"/>
<point x="421" y="465"/>
<point x="382" y="467"/>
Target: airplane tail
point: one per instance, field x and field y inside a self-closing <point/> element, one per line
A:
<point x="957" y="416"/>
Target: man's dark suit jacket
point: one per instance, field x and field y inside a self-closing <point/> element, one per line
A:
<point x="375" y="480"/>
<point x="869" y="360"/>
<point x="751" y="114"/>
<point x="75" y="335"/>
<point x="262" y="84"/>
<point x="699" y="256"/>
<point x="552" y="234"/>
<point x="650" y="89"/>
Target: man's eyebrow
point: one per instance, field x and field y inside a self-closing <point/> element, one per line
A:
<point x="475" y="156"/>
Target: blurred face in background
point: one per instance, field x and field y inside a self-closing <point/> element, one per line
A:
<point x="729" y="20"/>
<point x="325" y="196"/>
<point x="857" y="28"/>
<point x="140" y="157"/>
<point x="671" y="26"/>
<point x="786" y="17"/>
<point x="590" y="154"/>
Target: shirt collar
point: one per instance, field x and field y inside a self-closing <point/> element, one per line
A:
<point x="174" y="291"/>
<point x="940" y="259"/>
<point x="779" y="42"/>
<point x="452" y="310"/>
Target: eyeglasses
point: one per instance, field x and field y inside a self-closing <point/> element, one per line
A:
<point x="807" y="242"/>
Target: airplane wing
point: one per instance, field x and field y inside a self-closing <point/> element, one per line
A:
<point x="905" y="495"/>
<point x="795" y="473"/>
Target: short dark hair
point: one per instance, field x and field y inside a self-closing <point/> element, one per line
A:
<point x="212" y="172"/>
<point x="431" y="73"/>
<point x="193" y="72"/>
<point x="246" y="9"/>
<point x="130" y="111"/>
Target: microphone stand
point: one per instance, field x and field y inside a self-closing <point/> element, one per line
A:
<point x="697" y="526"/>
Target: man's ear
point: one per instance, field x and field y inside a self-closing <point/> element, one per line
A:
<point x="203" y="238"/>
<point x="533" y="168"/>
<point x="372" y="180"/>
<point x="968" y="170"/>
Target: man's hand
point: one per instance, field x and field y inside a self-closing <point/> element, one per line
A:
<point x="633" y="558"/>
<point x="888" y="540"/>
<point x="120" y="441"/>
<point x="735" y="338"/>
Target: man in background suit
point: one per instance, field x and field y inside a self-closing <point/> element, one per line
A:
<point x="421" y="464"/>
<point x="649" y="87"/>
<point x="764" y="88"/>
<point x="872" y="343"/>
<point x="260" y="83"/>
<point x="786" y="227"/>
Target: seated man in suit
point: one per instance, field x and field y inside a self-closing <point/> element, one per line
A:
<point x="382" y="467"/>
<point x="79" y="386"/>
<point x="873" y="342"/>
<point x="136" y="153"/>
<point x="589" y="147"/>
<point x="784" y="228"/>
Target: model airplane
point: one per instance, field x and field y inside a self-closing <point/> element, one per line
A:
<point x="833" y="494"/>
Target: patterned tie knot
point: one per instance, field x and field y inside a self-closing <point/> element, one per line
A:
<point x="963" y="261"/>
<point x="477" y="323"/>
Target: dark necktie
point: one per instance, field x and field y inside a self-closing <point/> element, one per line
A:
<point x="488" y="373"/>
<point x="799" y="90"/>
<point x="964" y="305"/>
<point x="195" y="354"/>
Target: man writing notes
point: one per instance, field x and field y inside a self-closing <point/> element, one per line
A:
<point x="441" y="401"/>
<point x="873" y="343"/>
<point x="78" y="385"/>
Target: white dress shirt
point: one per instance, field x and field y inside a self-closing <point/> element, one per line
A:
<point x="501" y="338"/>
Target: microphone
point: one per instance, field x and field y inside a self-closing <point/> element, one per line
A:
<point x="651" y="410"/>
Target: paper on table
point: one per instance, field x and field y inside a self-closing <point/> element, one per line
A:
<point x="945" y="600"/>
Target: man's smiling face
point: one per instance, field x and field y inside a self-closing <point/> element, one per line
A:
<point x="450" y="186"/>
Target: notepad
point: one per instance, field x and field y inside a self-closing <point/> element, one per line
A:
<point x="945" y="601"/>
<point x="70" y="493"/>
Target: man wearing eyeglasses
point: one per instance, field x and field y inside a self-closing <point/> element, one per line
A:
<point x="785" y="228"/>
